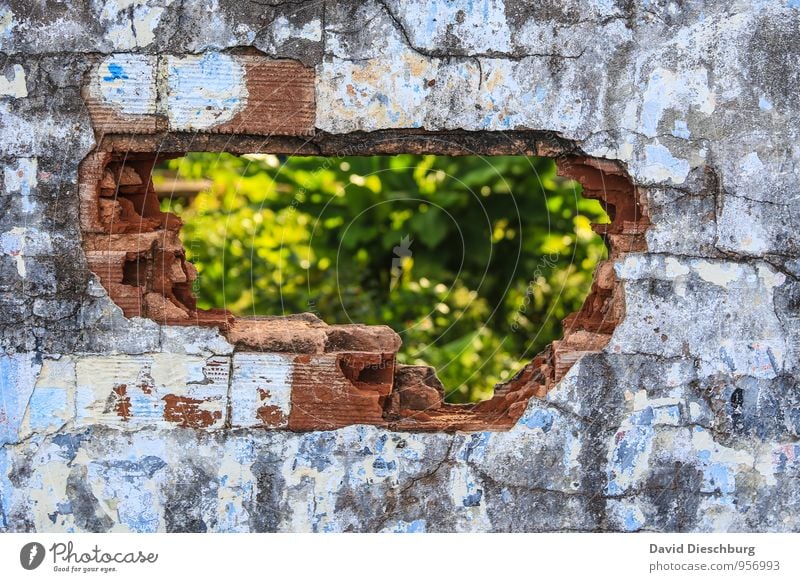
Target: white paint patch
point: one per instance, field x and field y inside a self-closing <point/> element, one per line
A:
<point x="283" y="30"/>
<point x="25" y="242"/>
<point x="131" y="23"/>
<point x="52" y="403"/>
<point x="625" y="514"/>
<point x="6" y="22"/>
<point x="751" y="165"/>
<point x="142" y="383"/>
<point x="756" y="238"/>
<point x="659" y="165"/>
<point x="481" y="27"/>
<point x="680" y="129"/>
<point x="194" y="341"/>
<point x="702" y="440"/>
<point x="20" y="178"/>
<point x="681" y="91"/>
<point x="14" y="86"/>
<point x="127" y="82"/>
<point x="49" y="487"/>
<point x="642" y="401"/>
<point x="314" y="485"/>
<point x="674" y="268"/>
<point x="722" y="274"/>
<point x="769" y="277"/>
<point x="467" y="494"/>
<point x="376" y="93"/>
<point x="204" y="90"/>
<point x="261" y="380"/>
<point x="237" y="486"/>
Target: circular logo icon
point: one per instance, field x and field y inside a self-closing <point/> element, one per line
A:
<point x="31" y="555"/>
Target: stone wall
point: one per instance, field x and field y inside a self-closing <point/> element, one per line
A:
<point x="685" y="418"/>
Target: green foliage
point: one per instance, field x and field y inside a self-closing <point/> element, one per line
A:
<point x="499" y="250"/>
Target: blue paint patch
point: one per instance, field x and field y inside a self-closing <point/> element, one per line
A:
<point x="658" y="155"/>
<point x="651" y="110"/>
<point x="630" y="520"/>
<point x="383" y="468"/>
<point x="46" y="406"/>
<point x="475" y="446"/>
<point x="631" y="446"/>
<point x="416" y="526"/>
<point x="244" y="451"/>
<point x="204" y="92"/>
<point x="381" y="443"/>
<point x="143" y="406"/>
<point x="538" y="418"/>
<point x="726" y="358"/>
<point x="719" y="477"/>
<point x="64" y="508"/>
<point x="315" y="451"/>
<point x="5" y="488"/>
<point x="16" y="385"/>
<point x="786" y="459"/>
<point x="680" y="129"/>
<point x="146" y="467"/>
<point x="69" y="444"/>
<point x="115" y="72"/>
<point x="644" y="417"/>
<point x="141" y="515"/>
<point x="673" y="411"/>
<point x="473" y="499"/>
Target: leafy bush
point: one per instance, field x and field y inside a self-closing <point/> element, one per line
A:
<point x="473" y="261"/>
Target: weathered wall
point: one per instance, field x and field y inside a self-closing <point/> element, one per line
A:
<point x="689" y="418"/>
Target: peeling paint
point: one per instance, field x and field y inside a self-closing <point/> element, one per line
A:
<point x="285" y="31"/>
<point x="113" y="423"/>
<point x="204" y="90"/>
<point x="667" y="90"/>
<point x="132" y="23"/>
<point x="21" y="242"/>
<point x="20" y="178"/>
<point x="13" y="85"/>
<point x="127" y="82"/>
<point x="261" y="390"/>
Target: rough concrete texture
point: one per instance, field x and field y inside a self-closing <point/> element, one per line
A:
<point x="687" y="420"/>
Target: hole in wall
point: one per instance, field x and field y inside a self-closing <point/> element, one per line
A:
<point x="472" y="260"/>
<point x="133" y="244"/>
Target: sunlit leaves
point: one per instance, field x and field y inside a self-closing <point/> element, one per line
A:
<point x="498" y="250"/>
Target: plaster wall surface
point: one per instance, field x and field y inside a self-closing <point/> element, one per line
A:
<point x="688" y="420"/>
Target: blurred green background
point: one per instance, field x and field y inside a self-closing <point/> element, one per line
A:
<point x="474" y="261"/>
